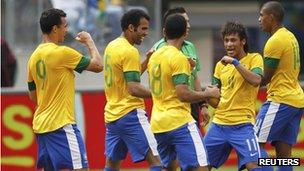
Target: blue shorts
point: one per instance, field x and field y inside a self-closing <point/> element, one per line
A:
<point x="220" y="139"/>
<point x="184" y="143"/>
<point x="61" y="149"/>
<point x="131" y="132"/>
<point x="278" y="122"/>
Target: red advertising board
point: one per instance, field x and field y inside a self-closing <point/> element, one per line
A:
<point x="18" y="144"/>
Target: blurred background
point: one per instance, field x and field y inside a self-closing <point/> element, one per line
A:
<point x="20" y="35"/>
<point x="101" y="18"/>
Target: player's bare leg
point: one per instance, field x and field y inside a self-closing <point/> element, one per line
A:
<point x="265" y="155"/>
<point x="283" y="150"/>
<point x="154" y="161"/>
<point x="173" y="165"/>
<point x="112" y="165"/>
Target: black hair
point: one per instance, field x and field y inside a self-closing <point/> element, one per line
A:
<point x="133" y="17"/>
<point x="175" y="26"/>
<point x="275" y="8"/>
<point x="50" y="18"/>
<point x="176" y="10"/>
<point x="234" y="27"/>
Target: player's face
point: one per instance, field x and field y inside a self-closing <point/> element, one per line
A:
<point x="188" y="23"/>
<point x="264" y="20"/>
<point x="141" y="31"/>
<point x="62" y="30"/>
<point x="233" y="45"/>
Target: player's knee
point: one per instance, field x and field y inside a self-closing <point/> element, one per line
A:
<point x="112" y="165"/>
<point x="262" y="145"/>
<point x="152" y="159"/>
<point x="283" y="150"/>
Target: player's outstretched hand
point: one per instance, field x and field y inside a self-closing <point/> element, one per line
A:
<point x="83" y="37"/>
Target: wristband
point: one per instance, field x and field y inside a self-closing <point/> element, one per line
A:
<point x="235" y="62"/>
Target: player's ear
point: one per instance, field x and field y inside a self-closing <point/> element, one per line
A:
<point x="243" y="41"/>
<point x="272" y="17"/>
<point x="131" y="28"/>
<point x="54" y="28"/>
<point x="164" y="32"/>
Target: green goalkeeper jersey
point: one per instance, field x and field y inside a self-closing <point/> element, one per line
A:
<point x="189" y="50"/>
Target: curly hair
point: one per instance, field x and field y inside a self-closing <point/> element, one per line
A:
<point x="234" y="27"/>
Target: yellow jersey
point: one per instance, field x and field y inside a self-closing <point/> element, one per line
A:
<point x="121" y="65"/>
<point x="282" y="53"/>
<point x="189" y="50"/>
<point x="167" y="68"/>
<point x="237" y="102"/>
<point x="50" y="73"/>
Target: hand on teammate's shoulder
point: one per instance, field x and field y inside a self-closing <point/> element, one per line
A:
<point x="192" y="63"/>
<point x="149" y="53"/>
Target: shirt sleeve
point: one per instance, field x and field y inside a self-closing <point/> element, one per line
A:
<point x="257" y="64"/>
<point x="180" y="69"/>
<point x="30" y="81"/>
<point x="272" y="53"/>
<point x="216" y="76"/>
<point x="74" y="60"/>
<point x="131" y="65"/>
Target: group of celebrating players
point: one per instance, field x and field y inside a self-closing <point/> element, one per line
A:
<point x="173" y="139"/>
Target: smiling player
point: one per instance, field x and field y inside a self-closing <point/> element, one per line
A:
<point x="238" y="75"/>
<point x="127" y="126"/>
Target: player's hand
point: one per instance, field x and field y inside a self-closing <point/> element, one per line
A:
<point x="192" y="63"/>
<point x="149" y="53"/>
<point x="226" y="60"/>
<point x="205" y="115"/>
<point x="213" y="92"/>
<point x="83" y="37"/>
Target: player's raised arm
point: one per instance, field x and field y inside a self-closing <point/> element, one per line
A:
<point x="51" y="85"/>
<point x="253" y="77"/>
<point x="95" y="64"/>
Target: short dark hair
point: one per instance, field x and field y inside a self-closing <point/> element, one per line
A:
<point x="133" y="17"/>
<point x="275" y="8"/>
<point x="50" y="18"/>
<point x="176" y="10"/>
<point x="234" y="27"/>
<point x="175" y="26"/>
